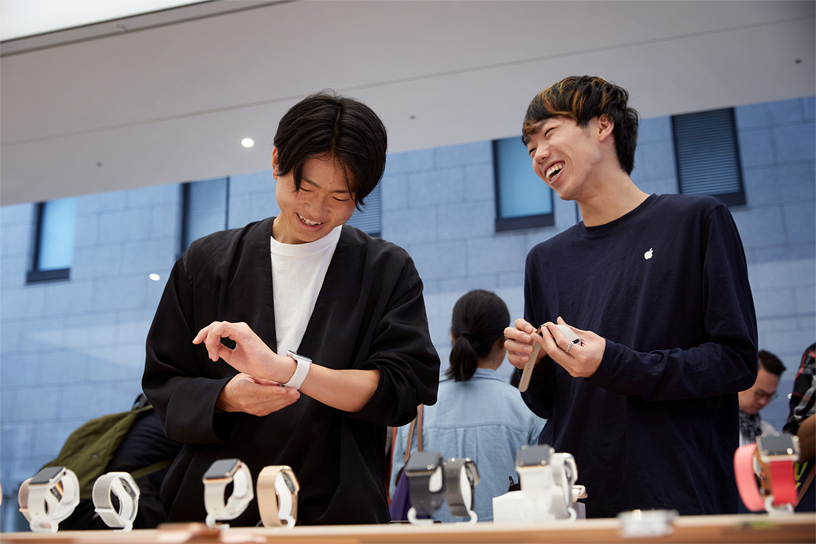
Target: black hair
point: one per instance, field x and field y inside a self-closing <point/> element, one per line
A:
<point x="332" y="126"/>
<point x="771" y="363"/>
<point x="479" y="319"/>
<point x="582" y="99"/>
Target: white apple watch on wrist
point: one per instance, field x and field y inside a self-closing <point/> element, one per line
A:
<point x="127" y="493"/>
<point x="220" y="474"/>
<point x="302" y="370"/>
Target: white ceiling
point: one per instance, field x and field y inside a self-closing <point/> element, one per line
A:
<point x="169" y="97"/>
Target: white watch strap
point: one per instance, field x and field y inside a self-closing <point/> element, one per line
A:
<point x="45" y="519"/>
<point x="302" y="370"/>
<point x="242" y="494"/>
<point x="537" y="487"/>
<point x="127" y="492"/>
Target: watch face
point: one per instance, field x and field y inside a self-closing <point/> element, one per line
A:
<point x="423" y="461"/>
<point x="126" y="486"/>
<point x="783" y="444"/>
<point x="223" y="468"/>
<point x="46" y="475"/>
<point x="287" y="479"/>
<point x="533" y="456"/>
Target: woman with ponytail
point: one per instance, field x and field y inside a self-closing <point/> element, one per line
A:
<point x="477" y="414"/>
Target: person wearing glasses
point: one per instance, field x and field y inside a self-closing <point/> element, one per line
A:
<point x="760" y="395"/>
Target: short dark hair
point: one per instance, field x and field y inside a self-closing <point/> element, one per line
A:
<point x="582" y="99"/>
<point x="479" y="319"/>
<point x="771" y="363"/>
<point x="329" y="125"/>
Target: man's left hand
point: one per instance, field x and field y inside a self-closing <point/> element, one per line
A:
<point x="583" y="358"/>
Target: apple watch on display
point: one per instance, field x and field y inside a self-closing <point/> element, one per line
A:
<point x="278" y="496"/>
<point x="52" y="496"/>
<point x="772" y="459"/>
<point x="426" y="483"/>
<point x="536" y="479"/>
<point x="302" y="370"/>
<point x="127" y="493"/>
<point x="565" y="474"/>
<point x="461" y="476"/>
<point x="216" y="479"/>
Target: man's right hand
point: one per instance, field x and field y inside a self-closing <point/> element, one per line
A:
<point x="243" y="393"/>
<point x="519" y="343"/>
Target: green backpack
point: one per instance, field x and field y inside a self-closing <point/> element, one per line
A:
<point x="90" y="448"/>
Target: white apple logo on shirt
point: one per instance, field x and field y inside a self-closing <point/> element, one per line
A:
<point x="648" y="254"/>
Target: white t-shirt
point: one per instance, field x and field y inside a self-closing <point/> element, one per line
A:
<point x="298" y="271"/>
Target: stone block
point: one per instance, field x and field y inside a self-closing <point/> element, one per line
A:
<point x="791" y="273"/>
<point x="38" y="404"/>
<point x="19" y="370"/>
<point x="87" y="231"/>
<point x="17" y="440"/>
<point x="49" y="438"/>
<point x="780" y="253"/>
<point x="805" y="295"/>
<point x="496" y="254"/>
<point x="658" y="160"/>
<point x="62" y="367"/>
<point x="394" y="193"/>
<point x="795" y="142"/>
<point x="9" y="336"/>
<point x="405" y="227"/>
<point x="808" y="108"/>
<point x="13" y="271"/>
<point x="756" y="147"/>
<point x="807" y="322"/>
<point x="69" y="298"/>
<point x="436" y="187"/>
<point x="89" y="401"/>
<point x="17" y="240"/>
<point x="509" y="280"/>
<point x="464" y="221"/>
<point x="463" y="154"/>
<point x="799" y="223"/>
<point x="761" y="226"/>
<point x="768" y="114"/>
<point x="156" y="195"/>
<point x="132" y="326"/>
<point x="409" y="161"/>
<point x="460" y="286"/>
<point x="655" y="129"/>
<point x="165" y="221"/>
<point x="440" y="260"/>
<point x="145" y="257"/>
<point x="122" y="293"/>
<point x="124" y="225"/>
<point x="779" y="184"/>
<point x="123" y="364"/>
<point x="23" y="302"/>
<point x="97" y="262"/>
<point x="480" y="184"/>
<point x="773" y="303"/>
<point x="41" y="334"/>
<point x="17" y="214"/>
<point x="101" y="202"/>
<point x="97" y="329"/>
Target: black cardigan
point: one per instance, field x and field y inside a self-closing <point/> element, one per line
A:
<point x="370" y="314"/>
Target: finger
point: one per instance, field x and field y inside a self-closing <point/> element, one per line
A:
<point x="524" y="326"/>
<point x="213" y="341"/>
<point x="202" y="334"/>
<point x="517" y="336"/>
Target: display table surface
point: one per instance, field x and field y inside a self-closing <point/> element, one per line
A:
<point x="734" y="528"/>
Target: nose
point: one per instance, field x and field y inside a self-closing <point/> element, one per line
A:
<point x="542" y="153"/>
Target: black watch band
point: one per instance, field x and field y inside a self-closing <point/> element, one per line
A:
<point x="421" y="467"/>
<point x="461" y="477"/>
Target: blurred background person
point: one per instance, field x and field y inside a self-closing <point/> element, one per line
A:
<point x="760" y="395"/>
<point x="478" y="414"/>
<point x="802" y="423"/>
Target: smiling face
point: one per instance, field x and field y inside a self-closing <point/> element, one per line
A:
<point x="323" y="202"/>
<point x="567" y="156"/>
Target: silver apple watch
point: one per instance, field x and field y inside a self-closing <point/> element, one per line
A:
<point x="302" y="370"/>
<point x="52" y="496"/>
<point x="122" y="485"/>
<point x="565" y="474"/>
<point x="218" y="476"/>
<point x="426" y="483"/>
<point x="461" y="476"/>
<point x="278" y="496"/>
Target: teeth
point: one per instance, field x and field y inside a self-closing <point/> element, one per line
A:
<point x="310" y="223"/>
<point x="553" y="170"/>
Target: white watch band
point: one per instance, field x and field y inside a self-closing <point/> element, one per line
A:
<point x="127" y="492"/>
<point x="50" y="503"/>
<point x="277" y="496"/>
<point x="242" y="494"/>
<point x="302" y="370"/>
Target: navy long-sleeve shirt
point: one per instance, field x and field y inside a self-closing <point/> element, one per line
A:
<point x="667" y="286"/>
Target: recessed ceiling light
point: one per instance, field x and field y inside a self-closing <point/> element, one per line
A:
<point x="154" y="277"/>
<point x="247" y="142"/>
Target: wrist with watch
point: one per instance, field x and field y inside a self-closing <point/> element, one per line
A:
<point x="301" y="371"/>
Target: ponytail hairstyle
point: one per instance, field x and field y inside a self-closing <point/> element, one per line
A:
<point x="479" y="319"/>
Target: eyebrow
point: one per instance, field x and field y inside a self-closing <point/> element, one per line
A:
<point x="310" y="182"/>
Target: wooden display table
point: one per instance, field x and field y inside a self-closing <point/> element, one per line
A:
<point x="696" y="529"/>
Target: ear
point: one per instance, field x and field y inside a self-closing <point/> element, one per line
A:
<point x="605" y="126"/>
<point x="275" y="162"/>
<point x="453" y="338"/>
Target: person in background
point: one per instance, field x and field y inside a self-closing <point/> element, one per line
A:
<point x="802" y="423"/>
<point x="478" y="414"/>
<point x="752" y="400"/>
<point x="656" y="288"/>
